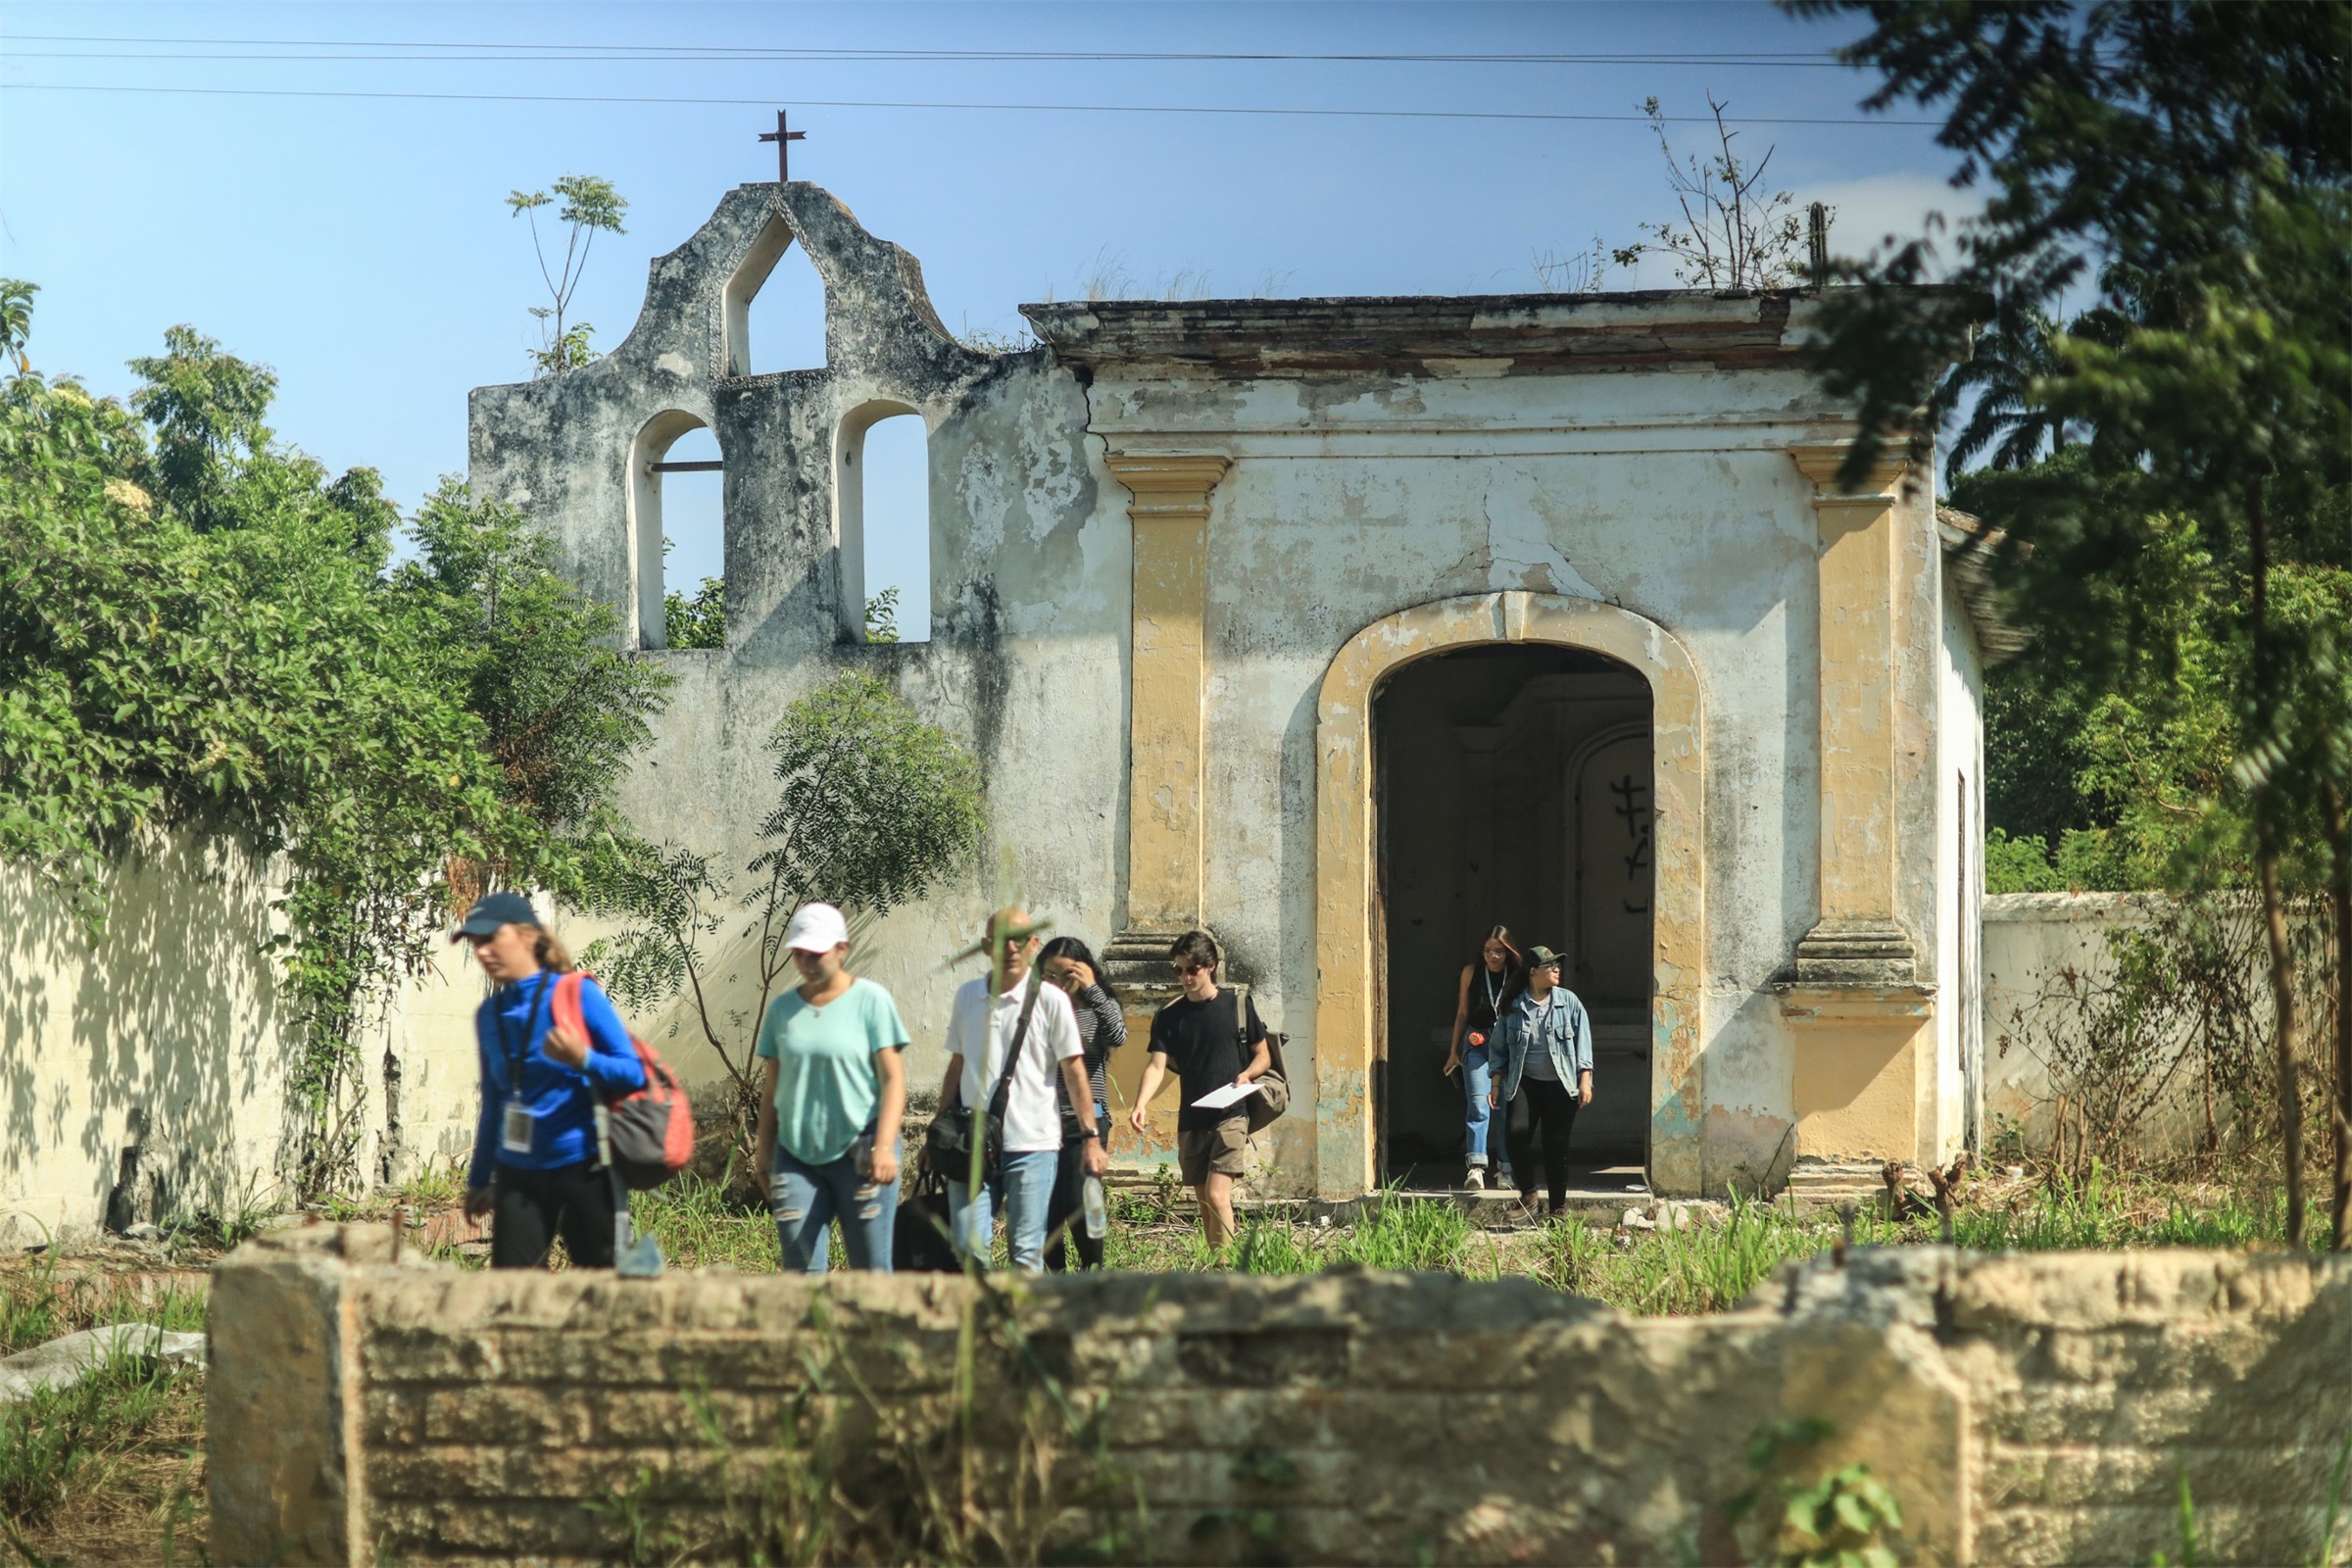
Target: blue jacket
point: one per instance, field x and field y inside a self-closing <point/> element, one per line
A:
<point x="1567" y="1037"/>
<point x="511" y="1024"/>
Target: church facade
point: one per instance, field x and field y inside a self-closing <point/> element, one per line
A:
<point x="1348" y="628"/>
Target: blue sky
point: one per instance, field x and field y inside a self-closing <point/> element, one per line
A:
<point x="362" y="246"/>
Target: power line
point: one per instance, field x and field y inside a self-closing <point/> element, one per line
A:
<point x="880" y="102"/>
<point x="934" y="56"/>
<point x="1809" y="59"/>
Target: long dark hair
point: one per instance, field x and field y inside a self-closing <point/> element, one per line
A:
<point x="1072" y="948"/>
<point x="1514" y="962"/>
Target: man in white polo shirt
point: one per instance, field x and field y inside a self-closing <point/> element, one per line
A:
<point x="981" y="1030"/>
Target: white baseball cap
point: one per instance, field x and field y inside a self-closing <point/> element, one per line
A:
<point x="817" y="928"/>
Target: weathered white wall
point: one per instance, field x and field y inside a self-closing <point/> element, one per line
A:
<point x="2032" y="939"/>
<point x="167" y="1032"/>
<point x="1959" y="882"/>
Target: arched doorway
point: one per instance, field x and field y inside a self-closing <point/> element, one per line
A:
<point x="1352" y="1004"/>
<point x="1512" y="787"/>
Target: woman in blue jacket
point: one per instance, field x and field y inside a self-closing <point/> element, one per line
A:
<point x="1547" y="1050"/>
<point x="537" y="1166"/>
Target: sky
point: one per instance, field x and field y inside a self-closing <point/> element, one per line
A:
<point x="362" y="246"/>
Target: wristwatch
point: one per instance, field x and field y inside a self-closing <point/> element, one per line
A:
<point x="1090" y="1132"/>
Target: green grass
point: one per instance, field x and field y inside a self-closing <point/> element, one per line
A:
<point x="116" y="1451"/>
<point x="699" y="1227"/>
<point x="1702" y="1269"/>
<point x="1705" y="1268"/>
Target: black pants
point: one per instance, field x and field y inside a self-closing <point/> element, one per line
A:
<point x="1067" y="1206"/>
<point x="1548" y="1110"/>
<point x="532" y="1208"/>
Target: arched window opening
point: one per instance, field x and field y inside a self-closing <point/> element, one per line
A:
<point x="885" y="501"/>
<point x="775" y="307"/>
<point x="678" y="534"/>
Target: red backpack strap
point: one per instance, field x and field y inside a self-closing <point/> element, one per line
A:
<point x="567" y="1003"/>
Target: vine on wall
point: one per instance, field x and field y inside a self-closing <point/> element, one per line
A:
<point x="201" y="630"/>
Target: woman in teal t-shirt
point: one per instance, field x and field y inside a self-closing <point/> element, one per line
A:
<point x="831" y="1101"/>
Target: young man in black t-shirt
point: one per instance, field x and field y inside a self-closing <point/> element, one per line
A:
<point x="1197" y="1033"/>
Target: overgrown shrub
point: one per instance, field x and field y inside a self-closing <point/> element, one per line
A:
<point x="2175" y="1024"/>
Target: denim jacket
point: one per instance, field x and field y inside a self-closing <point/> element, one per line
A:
<point x="1567" y="1036"/>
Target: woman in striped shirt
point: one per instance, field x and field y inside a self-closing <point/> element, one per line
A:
<point x="1101" y="1029"/>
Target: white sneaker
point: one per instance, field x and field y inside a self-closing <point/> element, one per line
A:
<point x="1476" y="1181"/>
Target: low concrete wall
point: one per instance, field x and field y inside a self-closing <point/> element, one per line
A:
<point x="2024" y="1409"/>
<point x="166" y="1035"/>
<point x="2030" y="941"/>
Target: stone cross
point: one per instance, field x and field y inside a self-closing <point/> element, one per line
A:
<point x="783" y="139"/>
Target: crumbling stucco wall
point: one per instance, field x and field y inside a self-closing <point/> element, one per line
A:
<point x="2046" y="965"/>
<point x="1029" y="568"/>
<point x="2024" y="1410"/>
<point x="144" y="1068"/>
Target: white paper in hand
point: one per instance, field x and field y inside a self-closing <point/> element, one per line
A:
<point x="1230" y="1095"/>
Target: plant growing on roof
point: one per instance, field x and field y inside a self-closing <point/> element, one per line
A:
<point x="590" y="206"/>
<point x="1735" y="230"/>
<point x="873" y="807"/>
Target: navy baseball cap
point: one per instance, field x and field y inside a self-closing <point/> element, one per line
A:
<point x="493" y="911"/>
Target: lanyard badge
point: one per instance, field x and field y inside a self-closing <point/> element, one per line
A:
<point x="517" y="1123"/>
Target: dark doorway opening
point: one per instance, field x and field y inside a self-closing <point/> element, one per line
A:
<point x="1514" y="788"/>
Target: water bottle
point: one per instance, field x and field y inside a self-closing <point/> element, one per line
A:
<point x="1098" y="1212"/>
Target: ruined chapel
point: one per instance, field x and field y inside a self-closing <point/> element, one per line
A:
<point x="1347" y="628"/>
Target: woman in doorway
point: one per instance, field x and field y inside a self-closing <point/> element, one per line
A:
<point x="1545" y="1057"/>
<point x="1101" y="1029"/>
<point x="1488" y="987"/>
<point x="830" y="1102"/>
<point x="536" y="1166"/>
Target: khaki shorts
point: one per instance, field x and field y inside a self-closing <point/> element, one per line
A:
<point x="1223" y="1149"/>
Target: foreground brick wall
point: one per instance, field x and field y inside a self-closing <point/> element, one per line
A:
<point x="2024" y="1410"/>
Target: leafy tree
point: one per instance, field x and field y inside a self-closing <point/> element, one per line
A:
<point x="2186" y="164"/>
<point x="207" y="408"/>
<point x="536" y="660"/>
<point x="874" y="807"/>
<point x="235" y="658"/>
<point x="2020" y="865"/>
<point x="16" y="320"/>
<point x="697" y="622"/>
<point x="2001" y="371"/>
<point x="590" y="207"/>
<point x="1735" y="230"/>
<point x="882" y="616"/>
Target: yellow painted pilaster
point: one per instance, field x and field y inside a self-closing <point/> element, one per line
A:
<point x="1863" y="1023"/>
<point x="1857" y="644"/>
<point x="1168" y="676"/>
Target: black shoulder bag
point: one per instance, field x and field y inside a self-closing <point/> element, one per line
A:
<point x="950" y="1137"/>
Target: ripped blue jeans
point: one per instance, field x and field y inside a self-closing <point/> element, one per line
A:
<point x="806" y="1199"/>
